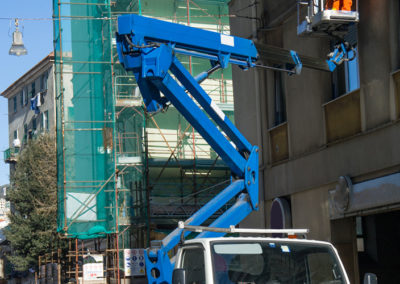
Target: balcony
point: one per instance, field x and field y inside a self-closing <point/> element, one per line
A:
<point x="11" y="155"/>
<point x="343" y="117"/>
<point x="279" y="143"/>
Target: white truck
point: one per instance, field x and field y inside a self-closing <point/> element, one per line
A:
<point x="258" y="260"/>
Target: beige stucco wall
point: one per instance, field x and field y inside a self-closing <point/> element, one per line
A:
<point x="312" y="203"/>
<point x="312" y="162"/>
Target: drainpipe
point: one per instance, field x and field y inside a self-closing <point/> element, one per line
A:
<point x="259" y="121"/>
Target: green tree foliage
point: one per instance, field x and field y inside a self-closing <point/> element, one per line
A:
<point x="33" y="221"/>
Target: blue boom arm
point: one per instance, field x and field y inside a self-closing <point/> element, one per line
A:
<point x="147" y="47"/>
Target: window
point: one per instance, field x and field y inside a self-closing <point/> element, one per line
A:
<point x="193" y="263"/>
<point x="360" y="234"/>
<point x="275" y="262"/>
<point x="46" y="120"/>
<point x="33" y="91"/>
<point x="42" y="121"/>
<point x="351" y="68"/>
<point x="279" y="99"/>
<point x="346" y="77"/>
<point x="34" y="124"/>
<point x="15" y="103"/>
<point x="43" y="81"/>
<point x="21" y="96"/>
<point x="44" y="125"/>
<point x="25" y="132"/>
<point x="25" y="94"/>
<point x="15" y="134"/>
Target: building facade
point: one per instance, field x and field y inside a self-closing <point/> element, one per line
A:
<point x="4" y="208"/>
<point x="330" y="159"/>
<point x="31" y="112"/>
<point x="31" y="108"/>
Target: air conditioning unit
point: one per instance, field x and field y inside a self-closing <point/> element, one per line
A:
<point x="16" y="143"/>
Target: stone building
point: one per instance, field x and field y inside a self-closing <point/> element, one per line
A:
<point x="4" y="207"/>
<point x="31" y="112"/>
<point x="31" y="107"/>
<point x="330" y="159"/>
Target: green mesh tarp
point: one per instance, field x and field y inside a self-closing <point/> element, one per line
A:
<point x="85" y="118"/>
<point x="101" y="122"/>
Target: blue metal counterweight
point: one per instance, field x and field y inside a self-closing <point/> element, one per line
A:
<point x="147" y="47"/>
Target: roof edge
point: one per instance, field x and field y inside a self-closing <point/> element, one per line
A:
<point x="7" y="92"/>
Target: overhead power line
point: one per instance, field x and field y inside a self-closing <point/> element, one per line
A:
<point x="57" y="18"/>
<point x="114" y="18"/>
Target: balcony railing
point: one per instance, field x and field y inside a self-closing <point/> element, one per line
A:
<point x="396" y="78"/>
<point x="11" y="154"/>
<point x="343" y="116"/>
<point x="279" y="143"/>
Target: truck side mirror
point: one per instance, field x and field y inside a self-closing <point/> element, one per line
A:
<point x="370" y="278"/>
<point x="179" y="276"/>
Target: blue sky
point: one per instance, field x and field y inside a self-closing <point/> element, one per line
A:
<point x="38" y="39"/>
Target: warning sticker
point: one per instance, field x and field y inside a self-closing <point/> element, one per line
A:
<point x="134" y="262"/>
<point x="219" y="112"/>
<point x="227" y="40"/>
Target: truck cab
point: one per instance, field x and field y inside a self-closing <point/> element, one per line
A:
<point x="258" y="260"/>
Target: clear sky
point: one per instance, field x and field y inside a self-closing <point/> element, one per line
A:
<point x="38" y="40"/>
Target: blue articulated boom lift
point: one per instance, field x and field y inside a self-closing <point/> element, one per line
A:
<point x="148" y="48"/>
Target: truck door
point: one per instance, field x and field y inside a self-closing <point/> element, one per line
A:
<point x="193" y="262"/>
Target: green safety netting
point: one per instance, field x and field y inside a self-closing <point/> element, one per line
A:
<point x="85" y="118"/>
<point x="100" y="141"/>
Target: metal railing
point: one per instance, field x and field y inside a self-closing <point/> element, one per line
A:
<point x="321" y="17"/>
<point x="10" y="155"/>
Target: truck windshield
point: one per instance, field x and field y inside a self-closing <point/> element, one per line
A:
<point x="275" y="263"/>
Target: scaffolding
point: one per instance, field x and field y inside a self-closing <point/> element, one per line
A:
<point x="85" y="124"/>
<point x="126" y="177"/>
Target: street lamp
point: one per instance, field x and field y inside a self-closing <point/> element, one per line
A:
<point x="17" y="47"/>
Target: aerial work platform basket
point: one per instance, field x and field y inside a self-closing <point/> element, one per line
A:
<point x="323" y="18"/>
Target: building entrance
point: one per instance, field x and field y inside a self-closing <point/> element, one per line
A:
<point x="378" y="238"/>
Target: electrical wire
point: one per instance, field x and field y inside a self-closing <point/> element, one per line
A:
<point x="275" y="69"/>
<point x="114" y="18"/>
<point x="57" y="18"/>
<point x="255" y="3"/>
